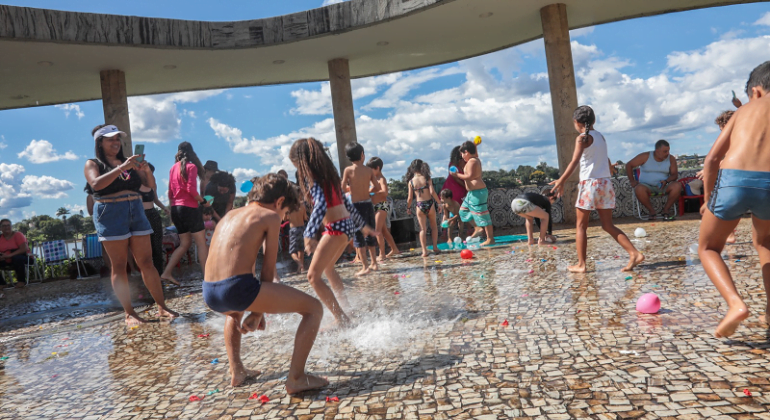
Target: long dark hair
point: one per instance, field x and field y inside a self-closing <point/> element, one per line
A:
<point x="314" y="166"/>
<point x="417" y="167"/>
<point x="185" y="155"/>
<point x="99" y="151"/>
<point x="585" y="115"/>
<point x="455" y="156"/>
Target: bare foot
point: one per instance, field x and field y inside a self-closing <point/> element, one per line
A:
<point x="735" y="315"/>
<point x="374" y="267"/>
<point x="424" y="253"/>
<point x="436" y="250"/>
<point x="170" y="279"/>
<point x="304" y="383"/>
<point x="363" y="272"/>
<point x="489" y="241"/>
<point x="530" y="241"/>
<point x="166" y="313"/>
<point x="577" y="268"/>
<point x="633" y="261"/>
<point x="242" y="375"/>
<point x="393" y="252"/>
<point x="731" y="239"/>
<point x="132" y="320"/>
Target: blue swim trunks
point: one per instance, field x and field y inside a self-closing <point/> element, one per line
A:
<point x="234" y="294"/>
<point x="737" y="192"/>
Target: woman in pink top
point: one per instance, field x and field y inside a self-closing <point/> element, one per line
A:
<point x="452" y="183"/>
<point x="184" y="200"/>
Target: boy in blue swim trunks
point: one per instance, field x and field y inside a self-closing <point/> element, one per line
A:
<point x="475" y="206"/>
<point x="231" y="286"/>
<point x="736" y="179"/>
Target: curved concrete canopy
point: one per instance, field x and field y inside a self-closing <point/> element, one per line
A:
<point x="51" y="57"/>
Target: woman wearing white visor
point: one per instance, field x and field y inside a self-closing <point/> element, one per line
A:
<point x="119" y="218"/>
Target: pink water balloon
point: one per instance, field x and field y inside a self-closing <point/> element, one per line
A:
<point x="648" y="303"/>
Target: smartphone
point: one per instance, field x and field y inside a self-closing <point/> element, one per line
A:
<point x="139" y="150"/>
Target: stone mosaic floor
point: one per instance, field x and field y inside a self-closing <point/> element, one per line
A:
<point x="574" y="346"/>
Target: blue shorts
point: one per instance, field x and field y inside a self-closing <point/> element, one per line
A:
<point x="115" y="221"/>
<point x="234" y="294"/>
<point x="737" y="192"/>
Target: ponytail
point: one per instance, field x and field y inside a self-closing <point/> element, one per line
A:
<point x="585" y="115"/>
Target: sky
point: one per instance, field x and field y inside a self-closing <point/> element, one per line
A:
<point x="663" y="77"/>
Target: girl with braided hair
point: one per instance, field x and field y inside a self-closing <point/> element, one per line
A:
<point x="595" y="188"/>
<point x="320" y="184"/>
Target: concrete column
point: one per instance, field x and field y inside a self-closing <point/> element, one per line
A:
<point x="115" y="104"/>
<point x="342" y="105"/>
<point x="561" y="77"/>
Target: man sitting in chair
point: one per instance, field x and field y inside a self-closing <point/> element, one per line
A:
<point x="658" y="175"/>
<point x="13" y="252"/>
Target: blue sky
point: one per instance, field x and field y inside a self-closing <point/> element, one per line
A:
<point x="659" y="77"/>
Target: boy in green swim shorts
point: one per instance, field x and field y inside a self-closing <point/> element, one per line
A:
<point x="474" y="207"/>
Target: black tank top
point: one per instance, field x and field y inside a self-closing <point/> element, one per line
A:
<point x="128" y="181"/>
<point x="147" y="196"/>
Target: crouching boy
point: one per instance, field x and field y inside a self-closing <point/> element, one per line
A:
<point x="231" y="286"/>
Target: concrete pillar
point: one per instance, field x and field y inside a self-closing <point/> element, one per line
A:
<point x="115" y="104"/>
<point x="561" y="77"/>
<point x="342" y="105"/>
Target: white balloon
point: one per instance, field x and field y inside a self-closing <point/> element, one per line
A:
<point x="640" y="233"/>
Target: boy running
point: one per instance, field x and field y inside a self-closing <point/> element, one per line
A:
<point x="474" y="206"/>
<point x="360" y="180"/>
<point x="735" y="185"/>
<point x="231" y="287"/>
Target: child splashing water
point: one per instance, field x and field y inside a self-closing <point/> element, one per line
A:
<point x="595" y="190"/>
<point x="733" y="186"/>
<point x="420" y="186"/>
<point x="320" y="184"/>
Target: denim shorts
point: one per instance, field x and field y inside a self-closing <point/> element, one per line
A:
<point x="121" y="220"/>
<point x="737" y="192"/>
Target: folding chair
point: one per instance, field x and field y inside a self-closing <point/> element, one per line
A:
<point x="92" y="251"/>
<point x="653" y="199"/>
<point x="55" y="253"/>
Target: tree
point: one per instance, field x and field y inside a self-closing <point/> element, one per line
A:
<point x="537" y="176"/>
<point x="62" y="211"/>
<point x="240" y="202"/>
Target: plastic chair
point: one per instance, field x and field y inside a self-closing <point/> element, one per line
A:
<point x="92" y="250"/>
<point x="682" y="197"/>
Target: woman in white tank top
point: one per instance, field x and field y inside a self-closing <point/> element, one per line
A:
<point x="595" y="191"/>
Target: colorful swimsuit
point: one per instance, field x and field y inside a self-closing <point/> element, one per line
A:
<point x="424" y="206"/>
<point x="321" y="202"/>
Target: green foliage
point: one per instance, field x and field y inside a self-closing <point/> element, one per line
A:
<point x="62" y="211"/>
<point x="397" y="189"/>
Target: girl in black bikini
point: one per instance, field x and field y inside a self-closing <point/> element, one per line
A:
<point x="421" y="186"/>
<point x="320" y="184"/>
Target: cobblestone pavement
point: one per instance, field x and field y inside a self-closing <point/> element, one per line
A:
<point x="430" y="342"/>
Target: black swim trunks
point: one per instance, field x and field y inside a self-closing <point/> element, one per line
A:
<point x="236" y="293"/>
<point x="366" y="210"/>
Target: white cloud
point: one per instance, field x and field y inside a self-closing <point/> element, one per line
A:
<point x="156" y="119"/>
<point x="42" y="151"/>
<point x="244" y="174"/>
<point x="76" y="208"/>
<point x="319" y="102"/>
<point x="11" y="196"/>
<point x="328" y="2"/>
<point x="764" y="20"/>
<point x="68" y="108"/>
<point x="46" y="186"/>
<point x="511" y="109"/>
<point x="2" y="142"/>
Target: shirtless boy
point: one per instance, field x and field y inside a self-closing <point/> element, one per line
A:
<point x="451" y="210"/>
<point x="231" y="287"/>
<point x="360" y="181"/>
<point x="474" y="206"/>
<point x="381" y="210"/>
<point x="297" y="221"/>
<point x="740" y="183"/>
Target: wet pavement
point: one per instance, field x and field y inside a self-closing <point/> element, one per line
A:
<point x="430" y="341"/>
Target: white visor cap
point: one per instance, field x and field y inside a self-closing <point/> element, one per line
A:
<point x="108" y="131"/>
